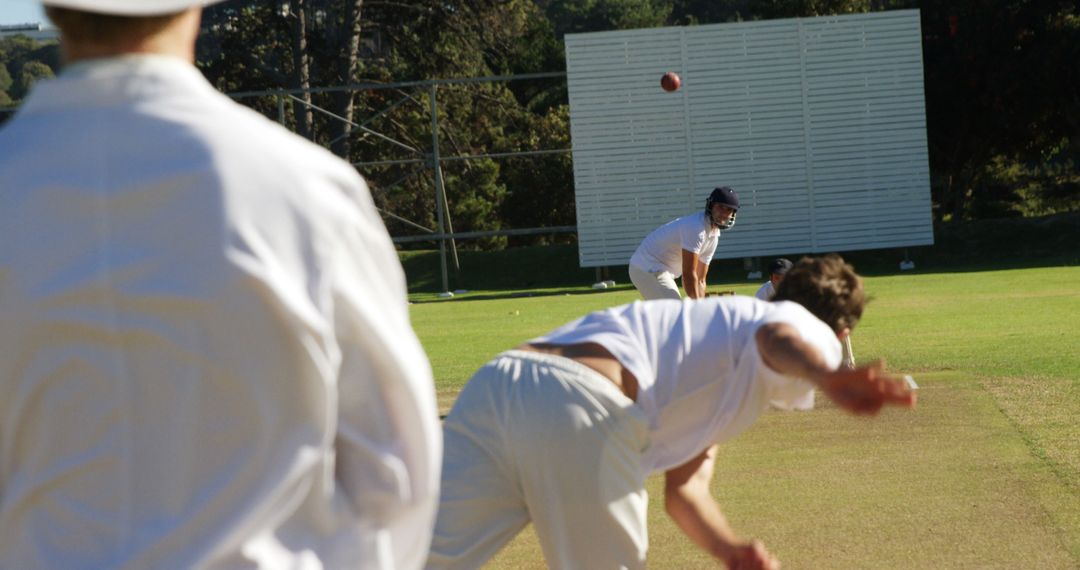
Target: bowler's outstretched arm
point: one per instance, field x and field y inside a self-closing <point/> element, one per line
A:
<point x="861" y="390"/>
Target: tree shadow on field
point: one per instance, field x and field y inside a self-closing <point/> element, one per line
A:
<point x="496" y="295"/>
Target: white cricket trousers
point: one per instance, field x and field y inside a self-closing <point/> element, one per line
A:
<point x="542" y="438"/>
<point x="654" y="284"/>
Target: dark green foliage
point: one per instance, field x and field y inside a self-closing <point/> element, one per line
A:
<point x="1002" y="108"/>
<point x="467" y="39"/>
<point x="478" y="196"/>
<point x="575" y="16"/>
<point x="541" y="188"/>
<point x="5" y="79"/>
<point x="24" y="61"/>
<point x="31" y="72"/>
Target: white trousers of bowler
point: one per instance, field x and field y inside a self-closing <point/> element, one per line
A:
<point x="654" y="284"/>
<point x="542" y="438"/>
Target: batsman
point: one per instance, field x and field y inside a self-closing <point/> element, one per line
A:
<point x="563" y="430"/>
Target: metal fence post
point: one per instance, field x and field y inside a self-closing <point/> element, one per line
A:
<point x="438" y="187"/>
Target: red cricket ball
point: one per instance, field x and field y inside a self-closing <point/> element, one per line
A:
<point x="670" y="81"/>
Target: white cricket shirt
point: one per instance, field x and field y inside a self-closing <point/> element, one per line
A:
<point x="662" y="249"/>
<point x="700" y="377"/>
<point x="206" y="358"/>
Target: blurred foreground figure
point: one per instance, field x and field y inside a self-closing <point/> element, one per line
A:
<point x="205" y="351"/>
<point x="563" y="430"/>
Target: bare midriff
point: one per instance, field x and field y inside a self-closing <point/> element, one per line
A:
<point x="593" y="356"/>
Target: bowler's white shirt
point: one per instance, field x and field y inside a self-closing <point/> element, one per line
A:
<point x="662" y="249"/>
<point x="700" y="377"/>
<point x="206" y="358"/>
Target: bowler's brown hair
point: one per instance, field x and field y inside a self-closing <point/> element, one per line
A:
<point x="828" y="287"/>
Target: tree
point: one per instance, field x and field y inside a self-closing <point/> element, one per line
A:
<point x="24" y="61"/>
<point x="466" y="39"/>
<point x="541" y="188"/>
<point x="1000" y="90"/>
<point x="576" y="16"/>
<point x="689" y="12"/>
<point x="31" y="72"/>
<point x="293" y="44"/>
<point x="5" y="79"/>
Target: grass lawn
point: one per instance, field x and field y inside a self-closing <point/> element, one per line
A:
<point x="985" y="473"/>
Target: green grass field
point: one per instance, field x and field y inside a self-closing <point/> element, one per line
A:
<point x="985" y="473"/>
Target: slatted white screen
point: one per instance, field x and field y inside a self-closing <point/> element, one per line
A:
<point x="818" y="124"/>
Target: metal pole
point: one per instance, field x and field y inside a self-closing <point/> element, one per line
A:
<point x="438" y="186"/>
<point x="449" y="225"/>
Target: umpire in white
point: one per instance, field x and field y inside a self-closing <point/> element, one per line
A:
<point x="206" y="359"/>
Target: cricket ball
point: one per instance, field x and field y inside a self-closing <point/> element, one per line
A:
<point x="670" y="81"/>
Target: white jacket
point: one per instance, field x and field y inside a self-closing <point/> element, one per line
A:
<point x="206" y="358"/>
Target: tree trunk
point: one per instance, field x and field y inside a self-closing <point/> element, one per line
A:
<point x="301" y="71"/>
<point x="344" y="102"/>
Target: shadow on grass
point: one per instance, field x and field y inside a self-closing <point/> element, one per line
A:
<point x="494" y="295"/>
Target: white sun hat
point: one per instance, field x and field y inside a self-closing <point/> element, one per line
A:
<point x="129" y="7"/>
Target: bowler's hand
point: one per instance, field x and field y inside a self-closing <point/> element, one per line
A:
<point x="866" y="389"/>
<point x="752" y="556"/>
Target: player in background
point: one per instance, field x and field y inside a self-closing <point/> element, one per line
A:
<point x="206" y="358"/>
<point x="777" y="269"/>
<point x="683" y="248"/>
<point x="563" y="430"/>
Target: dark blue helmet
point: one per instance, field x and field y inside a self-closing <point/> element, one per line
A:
<point x="727" y="197"/>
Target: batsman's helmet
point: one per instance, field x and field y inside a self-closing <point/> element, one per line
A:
<point x="724" y="196"/>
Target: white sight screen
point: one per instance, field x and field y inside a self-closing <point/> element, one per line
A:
<point x="819" y="124"/>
